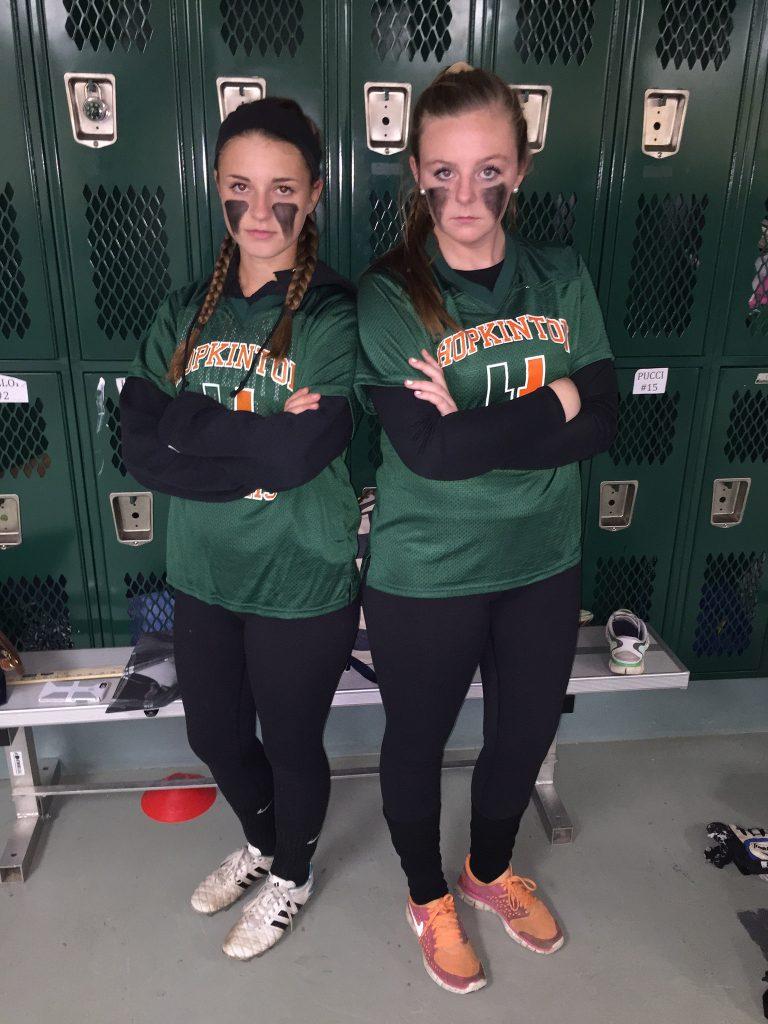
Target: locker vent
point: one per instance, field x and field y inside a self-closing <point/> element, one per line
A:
<point x="418" y="28"/>
<point x="665" y="263"/>
<point x="646" y="429"/>
<point x="695" y="32"/>
<point x="150" y="604"/>
<point x="36" y="613"/>
<point x="115" y="442"/>
<point x="128" y="255"/>
<point x="624" y="583"/>
<point x="548" y="31"/>
<point x="727" y="603"/>
<point x="111" y="22"/>
<point x="384" y="221"/>
<point x="14" y="318"/>
<point x="273" y="26"/>
<point x="23" y="444"/>
<point x="757" y="319"/>
<point x="747" y="434"/>
<point x="549" y="218"/>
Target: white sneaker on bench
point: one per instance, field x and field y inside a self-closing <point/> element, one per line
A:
<point x="234" y="876"/>
<point x="627" y="637"/>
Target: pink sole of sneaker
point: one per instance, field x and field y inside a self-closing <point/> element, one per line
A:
<point x="479" y="905"/>
<point x="473" y="986"/>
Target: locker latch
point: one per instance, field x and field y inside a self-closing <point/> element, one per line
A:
<point x="663" y="119"/>
<point x="536" y="101"/>
<point x="132" y="515"/>
<point x="729" y="500"/>
<point x="10" y="521"/>
<point x="233" y="92"/>
<point x="92" y="108"/>
<point x="387" y="116"/>
<point x="617" y="503"/>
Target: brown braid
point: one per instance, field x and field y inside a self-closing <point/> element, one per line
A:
<point x="212" y="296"/>
<point x="455" y="90"/>
<point x="306" y="261"/>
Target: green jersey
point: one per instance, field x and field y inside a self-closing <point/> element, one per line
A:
<point x="505" y="528"/>
<point x="287" y="555"/>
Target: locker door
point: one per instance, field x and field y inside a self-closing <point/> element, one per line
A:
<point x="566" y="47"/>
<point x="748" y="320"/>
<point x="286" y="43"/>
<point x="629" y="567"/>
<point x="138" y="598"/>
<point x="668" y="211"/>
<point x="393" y="42"/>
<point x="43" y="603"/>
<point x="726" y="614"/>
<point x="25" y="319"/>
<point x="127" y="227"/>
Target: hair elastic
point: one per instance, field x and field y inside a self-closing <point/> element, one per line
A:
<point x="276" y="117"/>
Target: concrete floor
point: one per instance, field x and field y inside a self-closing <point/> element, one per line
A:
<point x="102" y="931"/>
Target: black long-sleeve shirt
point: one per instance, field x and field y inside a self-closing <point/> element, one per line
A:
<point x="174" y="445"/>
<point x="528" y="433"/>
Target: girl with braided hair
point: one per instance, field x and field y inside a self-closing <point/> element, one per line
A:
<point x="238" y="406"/>
<point x="475" y="539"/>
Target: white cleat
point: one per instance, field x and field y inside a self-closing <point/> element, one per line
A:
<point x="267" y="917"/>
<point x="230" y="880"/>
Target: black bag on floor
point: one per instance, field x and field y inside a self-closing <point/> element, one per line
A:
<point x="746" y="847"/>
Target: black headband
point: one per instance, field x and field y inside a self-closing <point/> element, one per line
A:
<point x="272" y="116"/>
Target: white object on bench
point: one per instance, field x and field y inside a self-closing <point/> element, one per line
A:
<point x="33" y="785"/>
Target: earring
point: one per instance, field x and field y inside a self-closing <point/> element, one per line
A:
<point x="516" y="189"/>
<point x="422" y="191"/>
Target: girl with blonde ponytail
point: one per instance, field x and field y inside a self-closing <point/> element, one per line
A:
<point x="239" y="407"/>
<point x="475" y="539"/>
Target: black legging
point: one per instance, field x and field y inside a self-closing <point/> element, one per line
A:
<point x="425" y="652"/>
<point x="234" y="667"/>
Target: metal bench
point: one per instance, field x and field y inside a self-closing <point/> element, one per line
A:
<point x="35" y="783"/>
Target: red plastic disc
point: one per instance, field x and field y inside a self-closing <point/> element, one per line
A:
<point x="177" y="804"/>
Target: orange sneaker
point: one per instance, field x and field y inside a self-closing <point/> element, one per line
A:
<point x="448" y="957"/>
<point x="524" y="916"/>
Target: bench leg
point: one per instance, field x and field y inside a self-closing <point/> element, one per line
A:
<point x="553" y="814"/>
<point x="24" y="773"/>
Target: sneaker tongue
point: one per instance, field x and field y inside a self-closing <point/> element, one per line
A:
<point x="446" y="922"/>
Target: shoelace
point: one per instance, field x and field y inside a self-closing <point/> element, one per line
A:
<point x="268" y="903"/>
<point x="237" y="863"/>
<point x="445" y="923"/>
<point x="519" y="890"/>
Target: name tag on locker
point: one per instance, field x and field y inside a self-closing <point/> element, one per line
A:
<point x="651" y="381"/>
<point x="13" y="389"/>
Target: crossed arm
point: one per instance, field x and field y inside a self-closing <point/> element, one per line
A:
<point x="569" y="420"/>
<point x="191" y="446"/>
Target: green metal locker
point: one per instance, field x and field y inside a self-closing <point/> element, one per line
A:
<point x="135" y="558"/>
<point x="92" y="237"/>
<point x="276" y="49"/>
<point x="634" y="500"/>
<point x="124" y="201"/>
<point x="25" y="317"/>
<point x="665" y="215"/>
<point x="726" y="609"/>
<point x="43" y="587"/>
